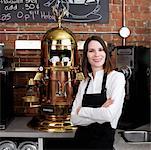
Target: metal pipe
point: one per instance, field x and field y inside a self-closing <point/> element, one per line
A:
<point x="124" y="13"/>
<point x="43" y="32"/>
<point x="123" y="20"/>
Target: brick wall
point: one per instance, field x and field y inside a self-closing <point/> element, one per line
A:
<point x="137" y="19"/>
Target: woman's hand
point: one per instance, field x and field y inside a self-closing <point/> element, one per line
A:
<point x="107" y="103"/>
<point x="78" y="109"/>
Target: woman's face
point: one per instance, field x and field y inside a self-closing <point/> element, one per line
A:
<point x="96" y="55"/>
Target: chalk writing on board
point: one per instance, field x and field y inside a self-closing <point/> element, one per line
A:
<point x="41" y="10"/>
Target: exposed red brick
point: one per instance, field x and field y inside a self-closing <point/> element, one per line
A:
<point x="137" y="18"/>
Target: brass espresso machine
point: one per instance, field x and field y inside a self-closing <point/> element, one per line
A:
<point x="57" y="81"/>
<point x="58" y="78"/>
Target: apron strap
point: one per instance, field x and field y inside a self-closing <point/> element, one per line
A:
<point x="87" y="86"/>
<point x="104" y="83"/>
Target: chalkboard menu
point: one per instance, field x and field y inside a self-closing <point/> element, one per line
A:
<point x="41" y="10"/>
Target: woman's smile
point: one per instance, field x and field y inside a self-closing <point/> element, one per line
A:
<point x="97" y="60"/>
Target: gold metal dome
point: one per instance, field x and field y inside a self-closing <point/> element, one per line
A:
<point x="59" y="43"/>
<point x="60" y="34"/>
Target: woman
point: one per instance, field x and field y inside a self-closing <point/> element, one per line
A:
<point x="99" y="100"/>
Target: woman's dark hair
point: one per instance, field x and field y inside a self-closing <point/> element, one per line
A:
<point x="86" y="67"/>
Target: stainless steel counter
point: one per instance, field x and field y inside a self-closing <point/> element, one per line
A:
<point x="18" y="128"/>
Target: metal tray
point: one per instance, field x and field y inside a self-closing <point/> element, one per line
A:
<point x="136" y="137"/>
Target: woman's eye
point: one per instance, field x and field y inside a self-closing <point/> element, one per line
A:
<point x="90" y="50"/>
<point x="101" y="49"/>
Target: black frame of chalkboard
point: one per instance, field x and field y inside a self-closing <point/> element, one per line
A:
<point x="40" y="11"/>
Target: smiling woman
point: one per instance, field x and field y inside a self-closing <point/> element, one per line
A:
<point x="98" y="104"/>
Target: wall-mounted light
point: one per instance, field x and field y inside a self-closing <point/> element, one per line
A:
<point x="124" y="32"/>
